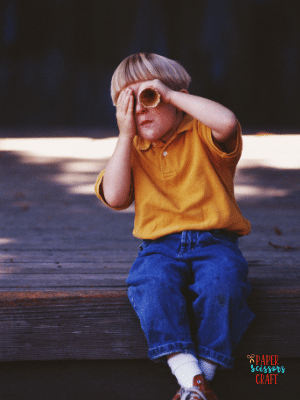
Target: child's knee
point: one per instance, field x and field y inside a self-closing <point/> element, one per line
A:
<point x="222" y="291"/>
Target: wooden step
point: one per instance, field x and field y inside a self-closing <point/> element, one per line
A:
<point x="64" y="257"/>
<point x="72" y="310"/>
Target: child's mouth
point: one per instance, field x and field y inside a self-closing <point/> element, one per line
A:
<point x="146" y="122"/>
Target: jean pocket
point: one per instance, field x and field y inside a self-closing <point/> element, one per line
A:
<point x="222" y="236"/>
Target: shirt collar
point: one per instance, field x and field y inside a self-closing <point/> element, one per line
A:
<point x="143" y="144"/>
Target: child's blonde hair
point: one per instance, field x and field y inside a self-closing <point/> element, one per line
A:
<point x="148" y="66"/>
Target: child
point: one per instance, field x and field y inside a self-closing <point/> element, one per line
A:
<point x="177" y="161"/>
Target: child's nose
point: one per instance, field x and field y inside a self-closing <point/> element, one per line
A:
<point x="139" y="108"/>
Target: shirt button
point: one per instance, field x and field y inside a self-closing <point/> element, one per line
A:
<point x="165" y="153"/>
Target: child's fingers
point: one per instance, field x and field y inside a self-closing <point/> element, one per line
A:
<point x="121" y="101"/>
<point x="157" y="85"/>
<point x="130" y="108"/>
<point x="124" y="100"/>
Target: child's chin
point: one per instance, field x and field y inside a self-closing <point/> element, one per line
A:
<point x="149" y="135"/>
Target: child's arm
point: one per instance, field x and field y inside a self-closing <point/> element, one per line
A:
<point x="117" y="177"/>
<point x="220" y="119"/>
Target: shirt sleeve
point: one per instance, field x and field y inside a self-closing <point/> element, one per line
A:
<point x="100" y="194"/>
<point x="232" y="157"/>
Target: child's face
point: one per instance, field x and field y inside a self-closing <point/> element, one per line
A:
<point x="155" y="123"/>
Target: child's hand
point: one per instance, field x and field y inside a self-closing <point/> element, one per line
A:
<point x="161" y="88"/>
<point x="125" y="113"/>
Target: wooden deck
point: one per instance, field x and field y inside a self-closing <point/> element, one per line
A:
<point x="65" y="257"/>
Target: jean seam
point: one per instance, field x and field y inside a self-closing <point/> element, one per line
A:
<point x="169" y="348"/>
<point x="182" y="313"/>
<point x="219" y="358"/>
<point x="142" y="322"/>
<point x="243" y="331"/>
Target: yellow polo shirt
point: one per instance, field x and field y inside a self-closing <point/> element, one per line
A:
<point x="183" y="184"/>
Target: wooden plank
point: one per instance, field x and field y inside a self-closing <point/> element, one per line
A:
<point x="84" y="327"/>
<point x="101" y="324"/>
<point x="64" y="268"/>
<point x="269" y="266"/>
<point x="74" y="255"/>
<point x="255" y="258"/>
<point x="45" y="275"/>
<point x="35" y="281"/>
<point x="277" y="325"/>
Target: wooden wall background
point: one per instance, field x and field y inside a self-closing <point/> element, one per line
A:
<point x="57" y="56"/>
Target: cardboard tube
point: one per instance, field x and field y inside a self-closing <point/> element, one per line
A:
<point x="149" y="97"/>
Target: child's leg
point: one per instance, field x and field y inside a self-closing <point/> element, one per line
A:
<point x="185" y="367"/>
<point x="219" y="292"/>
<point x="208" y="369"/>
<point x="192" y="381"/>
<point x="157" y="282"/>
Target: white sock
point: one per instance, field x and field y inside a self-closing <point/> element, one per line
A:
<point x="184" y="366"/>
<point x="208" y="368"/>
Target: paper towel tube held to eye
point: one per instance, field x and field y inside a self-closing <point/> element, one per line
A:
<point x="149" y="97"/>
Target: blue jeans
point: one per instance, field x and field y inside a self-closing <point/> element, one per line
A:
<point x="190" y="293"/>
